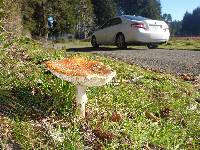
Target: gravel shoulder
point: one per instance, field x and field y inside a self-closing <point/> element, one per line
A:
<point x="170" y="61"/>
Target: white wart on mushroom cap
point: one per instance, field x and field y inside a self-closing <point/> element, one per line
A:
<point x="81" y="71"/>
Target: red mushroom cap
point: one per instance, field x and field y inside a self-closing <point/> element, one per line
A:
<point x="78" y="67"/>
<point x="81" y="71"/>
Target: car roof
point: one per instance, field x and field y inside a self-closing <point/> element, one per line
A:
<point x="133" y="17"/>
<point x="129" y="17"/>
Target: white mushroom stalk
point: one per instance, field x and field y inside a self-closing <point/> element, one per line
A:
<point x="83" y="74"/>
<point x="81" y="99"/>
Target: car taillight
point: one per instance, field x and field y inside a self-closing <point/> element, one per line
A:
<point x="138" y="25"/>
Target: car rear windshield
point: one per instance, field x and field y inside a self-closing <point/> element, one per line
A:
<point x="138" y="18"/>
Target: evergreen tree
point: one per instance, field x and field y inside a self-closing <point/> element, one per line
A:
<point x="175" y="28"/>
<point x="167" y="18"/>
<point x="35" y="15"/>
<point x="191" y="23"/>
<point x="151" y="9"/>
<point x="127" y="7"/>
<point x="85" y="18"/>
<point x="196" y="21"/>
<point x="63" y="12"/>
<point x="146" y="8"/>
<point x="104" y="10"/>
<point x="187" y="24"/>
<point x="68" y="16"/>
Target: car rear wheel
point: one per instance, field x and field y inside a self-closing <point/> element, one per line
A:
<point x="152" y="46"/>
<point x="120" y="41"/>
<point x="94" y="42"/>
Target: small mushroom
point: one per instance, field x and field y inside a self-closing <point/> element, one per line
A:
<point x="83" y="73"/>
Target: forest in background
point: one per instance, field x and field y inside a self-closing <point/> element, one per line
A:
<point x="81" y="17"/>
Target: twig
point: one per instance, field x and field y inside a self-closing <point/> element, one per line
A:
<point x="4" y="29"/>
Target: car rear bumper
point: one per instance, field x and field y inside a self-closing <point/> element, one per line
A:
<point x="147" y="36"/>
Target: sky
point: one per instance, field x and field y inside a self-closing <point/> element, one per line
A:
<point x="177" y="8"/>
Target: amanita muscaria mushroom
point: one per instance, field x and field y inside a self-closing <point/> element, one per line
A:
<point x="83" y="73"/>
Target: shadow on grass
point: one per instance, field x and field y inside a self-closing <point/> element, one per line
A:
<point x="91" y="49"/>
<point x="163" y="48"/>
<point x="25" y="103"/>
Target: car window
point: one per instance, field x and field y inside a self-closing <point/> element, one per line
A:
<point x="115" y="21"/>
<point x="111" y="22"/>
<point x="105" y="25"/>
<point x="138" y="18"/>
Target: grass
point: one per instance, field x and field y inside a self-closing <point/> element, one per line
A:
<point x="156" y="111"/>
<point x="182" y="44"/>
<point x="173" y="44"/>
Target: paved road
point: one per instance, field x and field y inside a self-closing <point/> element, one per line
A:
<point x="171" y="61"/>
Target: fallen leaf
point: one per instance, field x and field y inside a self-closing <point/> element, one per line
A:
<point x="103" y="135"/>
<point x="97" y="146"/>
<point x="188" y="77"/>
<point x="116" y="117"/>
<point x="151" y="116"/>
<point x="88" y="114"/>
<point x="165" y="113"/>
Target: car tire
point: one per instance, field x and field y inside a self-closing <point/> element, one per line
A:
<point x="152" y="46"/>
<point x="94" y="42"/>
<point x="120" y="41"/>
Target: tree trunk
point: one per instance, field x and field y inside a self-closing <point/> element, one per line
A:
<point x="12" y="21"/>
<point x="45" y="22"/>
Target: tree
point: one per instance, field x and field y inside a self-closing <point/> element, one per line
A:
<point x="10" y="17"/>
<point x="128" y="7"/>
<point x="35" y="14"/>
<point x="196" y="21"/>
<point x="151" y="9"/>
<point x="104" y="10"/>
<point x="146" y="8"/>
<point x="72" y="16"/>
<point x="133" y="7"/>
<point x="167" y="18"/>
<point x="175" y="28"/>
<point x="69" y="16"/>
<point x="85" y="18"/>
<point x="187" y="26"/>
<point x="191" y="23"/>
<point x="63" y="12"/>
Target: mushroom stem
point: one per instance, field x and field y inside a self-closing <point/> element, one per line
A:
<point x="81" y="99"/>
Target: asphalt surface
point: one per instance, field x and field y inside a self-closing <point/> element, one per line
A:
<point x="170" y="61"/>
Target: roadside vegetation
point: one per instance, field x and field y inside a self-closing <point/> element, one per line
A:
<point x="139" y="109"/>
<point x="175" y="43"/>
<point x="182" y="43"/>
